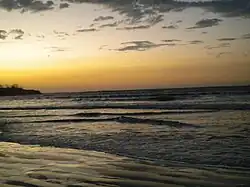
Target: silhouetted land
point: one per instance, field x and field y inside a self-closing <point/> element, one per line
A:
<point x="15" y="90"/>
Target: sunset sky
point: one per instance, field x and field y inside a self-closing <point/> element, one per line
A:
<point x="78" y="45"/>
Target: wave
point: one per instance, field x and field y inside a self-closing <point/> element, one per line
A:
<point x="129" y="98"/>
<point x="121" y="119"/>
<point x="169" y="123"/>
<point x="29" y="116"/>
<point x="74" y="120"/>
<point x="174" y="106"/>
<point x="98" y="114"/>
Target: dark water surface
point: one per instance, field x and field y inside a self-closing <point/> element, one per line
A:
<point x="177" y="137"/>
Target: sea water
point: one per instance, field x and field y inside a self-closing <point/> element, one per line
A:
<point x="165" y="137"/>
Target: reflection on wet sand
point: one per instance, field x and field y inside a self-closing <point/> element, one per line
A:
<point x="23" y="165"/>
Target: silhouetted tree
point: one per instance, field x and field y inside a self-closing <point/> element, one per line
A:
<point x="15" y="86"/>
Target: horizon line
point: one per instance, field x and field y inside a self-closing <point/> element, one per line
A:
<point x="148" y="89"/>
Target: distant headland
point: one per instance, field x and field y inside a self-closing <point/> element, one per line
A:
<point x="15" y="90"/>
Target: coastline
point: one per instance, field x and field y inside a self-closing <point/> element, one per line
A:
<point x="30" y="165"/>
<point x="15" y="91"/>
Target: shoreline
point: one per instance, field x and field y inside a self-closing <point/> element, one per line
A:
<point x="32" y="165"/>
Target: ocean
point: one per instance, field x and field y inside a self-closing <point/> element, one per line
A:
<point x="187" y="137"/>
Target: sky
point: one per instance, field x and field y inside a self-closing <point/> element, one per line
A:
<point x="80" y="45"/>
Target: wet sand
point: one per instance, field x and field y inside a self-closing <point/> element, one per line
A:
<point x="32" y="166"/>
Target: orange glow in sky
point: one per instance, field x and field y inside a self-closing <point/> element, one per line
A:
<point x="95" y="46"/>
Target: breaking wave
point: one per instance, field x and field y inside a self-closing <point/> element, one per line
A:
<point x="175" y="106"/>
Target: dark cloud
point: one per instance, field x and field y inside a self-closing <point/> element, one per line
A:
<point x="40" y="6"/>
<point x="138" y="46"/>
<point x="102" y="47"/>
<point x="246" y="36"/>
<point x="63" y="5"/>
<point x="222" y="45"/>
<point x="227" y="39"/>
<point x="19" y="37"/>
<point x="222" y="54"/>
<point x="155" y="19"/>
<point x="8" y="4"/>
<point x="134" y="27"/>
<point x="172" y="40"/>
<point x="115" y="24"/>
<point x="228" y="8"/>
<point x="3" y="34"/>
<point x="77" y="1"/>
<point x="3" y="31"/>
<point x="135" y="11"/>
<point x="104" y="18"/>
<point x="87" y="30"/>
<point x="16" y="33"/>
<point x="24" y="5"/>
<point x="204" y="23"/>
<point x="93" y="24"/>
<point x="60" y="33"/>
<point x="224" y="7"/>
<point x="170" y="27"/>
<point x="2" y="37"/>
<point x="138" y="10"/>
<point x="196" y="42"/>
